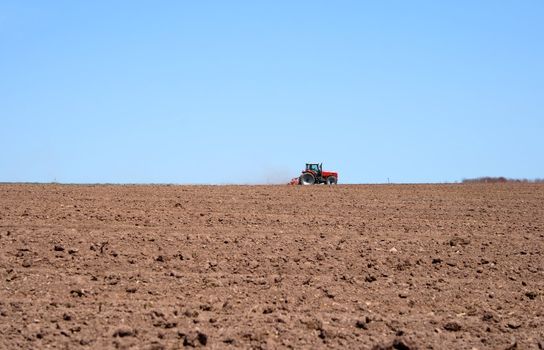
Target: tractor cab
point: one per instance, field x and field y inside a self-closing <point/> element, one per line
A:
<point x="314" y="167"/>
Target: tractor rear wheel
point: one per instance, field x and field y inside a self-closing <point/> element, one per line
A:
<point x="331" y="180"/>
<point x="307" y="179"/>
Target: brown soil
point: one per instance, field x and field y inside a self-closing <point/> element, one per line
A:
<point x="162" y="267"/>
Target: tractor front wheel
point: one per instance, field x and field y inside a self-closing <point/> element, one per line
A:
<point x="331" y="180"/>
<point x="307" y="179"/>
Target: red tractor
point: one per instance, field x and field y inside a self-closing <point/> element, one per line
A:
<point x="314" y="174"/>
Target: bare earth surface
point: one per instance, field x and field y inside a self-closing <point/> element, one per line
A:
<point x="167" y="267"/>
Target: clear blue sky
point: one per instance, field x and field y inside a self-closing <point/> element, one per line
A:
<point x="248" y="91"/>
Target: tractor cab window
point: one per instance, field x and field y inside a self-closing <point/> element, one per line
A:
<point x="313" y="167"/>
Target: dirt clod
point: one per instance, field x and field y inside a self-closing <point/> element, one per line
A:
<point x="531" y="295"/>
<point x="131" y="289"/>
<point x="78" y="292"/>
<point x="194" y="339"/>
<point x="452" y="326"/>
<point x="58" y="248"/>
<point x="124" y="331"/>
<point x="370" y="278"/>
<point x="513" y="324"/>
<point x="396" y="344"/>
<point x="361" y="324"/>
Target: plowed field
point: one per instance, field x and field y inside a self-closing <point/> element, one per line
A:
<point x="348" y="266"/>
